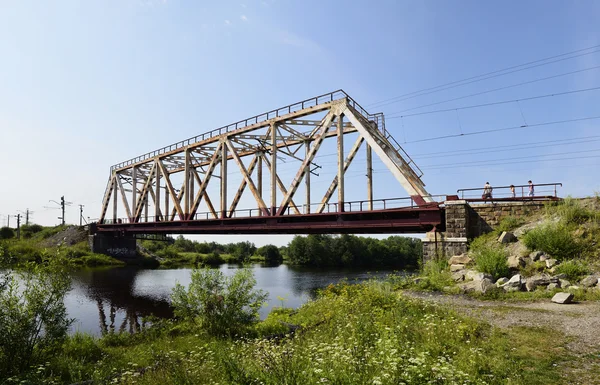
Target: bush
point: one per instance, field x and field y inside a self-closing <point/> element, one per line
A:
<point x="33" y="317"/>
<point x="572" y="269"/>
<point x="213" y="259"/>
<point x="509" y="224"/>
<point x="7" y="233"/>
<point x="572" y="211"/>
<point x="436" y="275"/>
<point x="224" y="305"/>
<point x="492" y="260"/>
<point x="27" y="231"/>
<point x="554" y="239"/>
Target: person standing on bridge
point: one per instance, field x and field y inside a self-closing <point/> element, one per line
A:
<point x="487" y="191"/>
<point x="531" y="189"/>
<point x="512" y="191"/>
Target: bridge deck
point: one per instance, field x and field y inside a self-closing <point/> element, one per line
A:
<point x="397" y="220"/>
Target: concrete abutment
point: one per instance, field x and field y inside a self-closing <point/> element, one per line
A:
<point x="113" y="245"/>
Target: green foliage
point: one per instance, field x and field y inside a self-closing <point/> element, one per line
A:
<point x="509" y="224"/>
<point x="533" y="268"/>
<point x="213" y="259"/>
<point x="491" y="260"/>
<point x="350" y="250"/>
<point x="554" y="239"/>
<point x="33" y="317"/>
<point x="225" y="305"/>
<point x="435" y="276"/>
<point x="571" y="211"/>
<point x="271" y="254"/>
<point x="574" y="270"/>
<point x="7" y="233"/>
<point x="27" y="231"/>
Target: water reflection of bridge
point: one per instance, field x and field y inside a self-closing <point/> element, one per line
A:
<point x="113" y="292"/>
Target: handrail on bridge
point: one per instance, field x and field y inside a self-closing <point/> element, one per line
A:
<point x="351" y="206"/>
<point x="314" y="101"/>
<point x="524" y="190"/>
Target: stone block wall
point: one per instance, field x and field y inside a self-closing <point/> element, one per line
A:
<point x="484" y="217"/>
<point x="118" y="247"/>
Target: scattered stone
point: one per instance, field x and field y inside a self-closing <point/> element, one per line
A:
<point x="560" y="276"/>
<point x="564" y="283"/>
<point x="482" y="286"/>
<point x="574" y="287"/>
<point x="507" y="237"/>
<point x="514" y="262"/>
<point x="543" y="257"/>
<point x="458" y="276"/>
<point x="476" y="276"/>
<point x="462" y="259"/>
<point x="532" y="283"/>
<point x="513" y="284"/>
<point x="553" y="286"/>
<point x="501" y="281"/>
<point x="550" y="262"/>
<point x="562" y="298"/>
<point x="535" y="255"/>
<point x="589" y="281"/>
<point x="454" y="268"/>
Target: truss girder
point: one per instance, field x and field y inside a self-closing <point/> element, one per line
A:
<point x="204" y="163"/>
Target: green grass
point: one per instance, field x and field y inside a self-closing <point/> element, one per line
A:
<point x="554" y="239"/>
<point x="574" y="270"/>
<point x="492" y="260"/>
<point x="352" y="334"/>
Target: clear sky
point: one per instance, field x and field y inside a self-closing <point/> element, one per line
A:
<point x="87" y="84"/>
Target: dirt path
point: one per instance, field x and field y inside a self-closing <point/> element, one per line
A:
<point x="578" y="321"/>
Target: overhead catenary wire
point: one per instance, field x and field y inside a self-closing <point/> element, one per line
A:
<point x="496" y="89"/>
<point x="470" y="80"/>
<point x="494" y="103"/>
<point x="504" y="129"/>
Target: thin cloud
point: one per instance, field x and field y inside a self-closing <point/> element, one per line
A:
<point x="244" y="18"/>
<point x="227" y="22"/>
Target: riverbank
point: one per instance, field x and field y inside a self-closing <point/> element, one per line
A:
<point x="352" y="334"/>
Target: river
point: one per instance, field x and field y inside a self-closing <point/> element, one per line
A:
<point x="118" y="298"/>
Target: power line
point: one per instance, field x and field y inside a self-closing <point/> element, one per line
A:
<point x="523" y="146"/>
<point x="495" y="103"/>
<point x="471" y="79"/>
<point x="504" y="129"/>
<point x="497" y="89"/>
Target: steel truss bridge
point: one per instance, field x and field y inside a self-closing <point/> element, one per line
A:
<point x="161" y="192"/>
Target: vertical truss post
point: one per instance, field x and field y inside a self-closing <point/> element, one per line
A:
<point x="340" y="161"/>
<point x="134" y="190"/>
<point x="307" y="180"/>
<point x="157" y="193"/>
<point x="115" y="194"/>
<point x="370" y="177"/>
<point x="273" y="169"/>
<point x="186" y="185"/>
<point x="259" y="176"/>
<point x="167" y="205"/>
<point x="223" y="180"/>
<point x="146" y="208"/>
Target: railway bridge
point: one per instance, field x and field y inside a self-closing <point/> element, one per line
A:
<point x="186" y="187"/>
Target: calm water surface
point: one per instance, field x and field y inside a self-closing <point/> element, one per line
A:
<point x="117" y="298"/>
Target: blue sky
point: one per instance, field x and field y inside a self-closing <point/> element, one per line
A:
<point x="84" y="85"/>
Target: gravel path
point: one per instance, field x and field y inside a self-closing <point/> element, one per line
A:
<point x="578" y="321"/>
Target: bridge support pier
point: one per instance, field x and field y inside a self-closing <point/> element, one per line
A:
<point x="454" y="240"/>
<point x="113" y="245"/>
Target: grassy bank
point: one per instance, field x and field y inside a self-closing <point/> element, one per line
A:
<point x="352" y="334"/>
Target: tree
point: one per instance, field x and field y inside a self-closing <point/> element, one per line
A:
<point x="271" y="254"/>
<point x="225" y="306"/>
<point x="7" y="233"/>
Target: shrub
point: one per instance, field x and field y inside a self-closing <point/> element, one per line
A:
<point x="33" y="317"/>
<point x="213" y="259"/>
<point x="572" y="269"/>
<point x="554" y="239"/>
<point x="572" y="211"/>
<point x="492" y="260"/>
<point x="509" y="224"/>
<point x="7" y="233"/>
<point x="436" y="275"/>
<point x="224" y="305"/>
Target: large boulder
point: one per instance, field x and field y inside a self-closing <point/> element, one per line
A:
<point x="563" y="298"/>
<point x="589" y="281"/>
<point x="513" y="284"/>
<point x="507" y="237"/>
<point x="514" y="262"/>
<point x="482" y="286"/>
<point x="564" y="283"/>
<point x="462" y="259"/>
<point x="550" y="262"/>
<point x="532" y="283"/>
<point x="501" y="281"/>
<point x="458" y="276"/>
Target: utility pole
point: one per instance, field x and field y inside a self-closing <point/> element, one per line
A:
<point x="18" y="226"/>
<point x="27" y="217"/>
<point x="62" y="205"/>
<point x="80" y="215"/>
<point x="8" y="221"/>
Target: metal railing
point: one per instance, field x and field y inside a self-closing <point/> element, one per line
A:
<point x="504" y="192"/>
<point x="351" y="206"/>
<point x="314" y="101"/>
